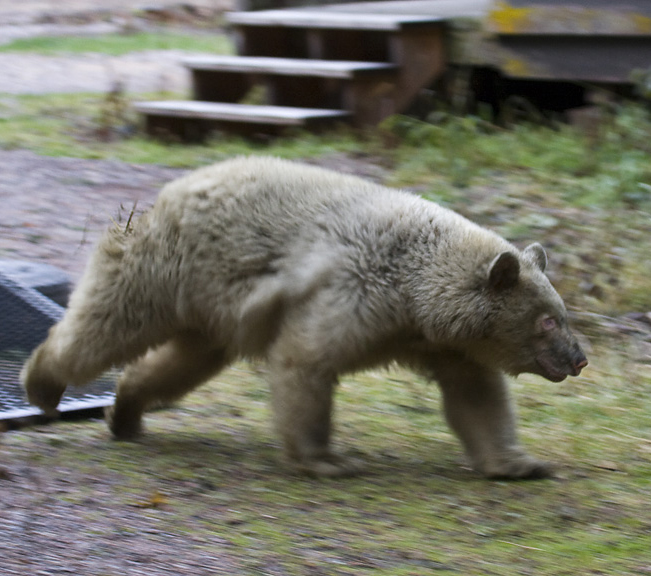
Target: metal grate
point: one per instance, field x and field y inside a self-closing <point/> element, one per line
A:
<point x="25" y="318"/>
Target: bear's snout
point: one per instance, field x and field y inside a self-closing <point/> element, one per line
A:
<point x="559" y="359"/>
<point x="579" y="361"/>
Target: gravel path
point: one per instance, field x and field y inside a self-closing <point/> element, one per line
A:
<point x="24" y="73"/>
<point x="27" y="12"/>
<point x="149" y="71"/>
<point x="54" y="209"/>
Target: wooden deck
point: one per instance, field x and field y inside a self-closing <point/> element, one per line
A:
<point x="357" y="62"/>
<point x="365" y="61"/>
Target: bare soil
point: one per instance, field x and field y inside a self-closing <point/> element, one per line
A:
<point x="54" y="209"/>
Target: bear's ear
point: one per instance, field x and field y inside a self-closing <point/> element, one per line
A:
<point x="504" y="271"/>
<point x="535" y="253"/>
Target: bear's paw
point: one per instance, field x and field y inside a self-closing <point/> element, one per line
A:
<point x="329" y="466"/>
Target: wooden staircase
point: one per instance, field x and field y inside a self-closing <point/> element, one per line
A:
<point x="309" y="68"/>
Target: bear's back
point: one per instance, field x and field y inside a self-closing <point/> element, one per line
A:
<point x="265" y="186"/>
<point x="254" y="208"/>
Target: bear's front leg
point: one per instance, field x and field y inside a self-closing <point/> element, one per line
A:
<point x="478" y="409"/>
<point x="302" y="398"/>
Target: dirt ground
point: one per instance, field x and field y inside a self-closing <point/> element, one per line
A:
<point x="54" y="208"/>
<point x="149" y="71"/>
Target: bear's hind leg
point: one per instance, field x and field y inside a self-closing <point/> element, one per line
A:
<point x="44" y="388"/>
<point x="112" y="318"/>
<point x="478" y="409"/>
<point x="74" y="353"/>
<point x="163" y="375"/>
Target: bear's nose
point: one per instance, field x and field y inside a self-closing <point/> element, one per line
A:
<point x="579" y="364"/>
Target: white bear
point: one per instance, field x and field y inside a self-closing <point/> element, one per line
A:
<point x="319" y="274"/>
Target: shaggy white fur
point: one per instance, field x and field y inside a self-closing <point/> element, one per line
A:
<point x="319" y="274"/>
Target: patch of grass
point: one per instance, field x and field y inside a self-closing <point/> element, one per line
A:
<point x="444" y="159"/>
<point x="71" y="125"/>
<point x="587" y="200"/>
<point x="612" y="169"/>
<point x="210" y="471"/>
<point x="120" y="44"/>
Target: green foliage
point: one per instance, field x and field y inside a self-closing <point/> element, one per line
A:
<point x="77" y="125"/>
<point x="441" y="158"/>
<point x="611" y="169"/>
<point x="119" y="44"/>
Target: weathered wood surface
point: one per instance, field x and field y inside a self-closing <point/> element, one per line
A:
<point x="360" y="62"/>
<point x="344" y="20"/>
<point x="287" y="66"/>
<point x="283" y="115"/>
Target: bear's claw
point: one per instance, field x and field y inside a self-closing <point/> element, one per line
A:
<point x="331" y="466"/>
<point x="524" y="468"/>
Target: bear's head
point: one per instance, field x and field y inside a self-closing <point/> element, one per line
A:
<point x="528" y="329"/>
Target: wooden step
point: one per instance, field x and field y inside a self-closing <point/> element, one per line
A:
<point x="332" y="33"/>
<point x="341" y="69"/>
<point x="285" y="115"/>
<point x="193" y="120"/>
<point x="311" y="66"/>
<point x="314" y="19"/>
<point x="444" y="9"/>
<point x="293" y="82"/>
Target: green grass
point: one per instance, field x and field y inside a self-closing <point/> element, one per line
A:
<point x="442" y="159"/>
<point x="72" y="125"/>
<point x="119" y="44"/>
<point x="213" y="467"/>
<point x="614" y="168"/>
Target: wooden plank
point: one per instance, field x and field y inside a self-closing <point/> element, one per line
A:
<point x="446" y="9"/>
<point x="609" y="59"/>
<point x="247" y="113"/>
<point x="332" y="19"/>
<point x="287" y="66"/>
<point x="596" y="18"/>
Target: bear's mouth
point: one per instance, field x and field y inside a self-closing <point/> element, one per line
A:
<point x="549" y="370"/>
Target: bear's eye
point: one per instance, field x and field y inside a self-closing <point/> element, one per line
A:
<point x="548" y="323"/>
